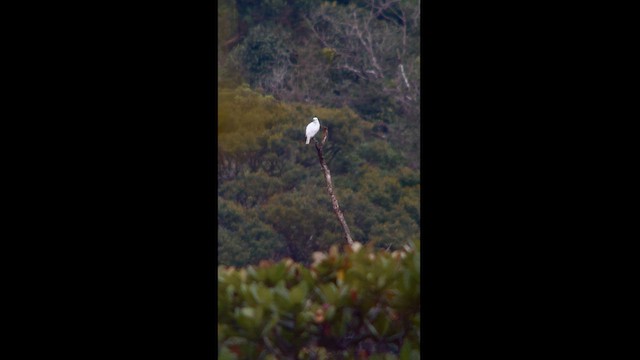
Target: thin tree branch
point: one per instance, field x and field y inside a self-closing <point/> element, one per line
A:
<point x="313" y="28"/>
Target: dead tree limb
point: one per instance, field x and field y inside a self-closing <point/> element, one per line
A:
<point x="327" y="176"/>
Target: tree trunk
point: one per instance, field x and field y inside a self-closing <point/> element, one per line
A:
<point x="327" y="176"/>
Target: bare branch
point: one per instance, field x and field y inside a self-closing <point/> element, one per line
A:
<point x="404" y="76"/>
<point x="313" y="28"/>
<point x="327" y="176"/>
<point x="355" y="71"/>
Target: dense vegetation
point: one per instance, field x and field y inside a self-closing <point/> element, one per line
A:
<point x="355" y="304"/>
<point x="355" y="65"/>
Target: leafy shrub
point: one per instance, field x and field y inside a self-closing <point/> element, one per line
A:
<point x="345" y="305"/>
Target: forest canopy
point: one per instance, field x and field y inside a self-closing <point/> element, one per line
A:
<point x="356" y="66"/>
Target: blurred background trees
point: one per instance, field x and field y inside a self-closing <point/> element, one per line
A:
<point x="355" y="65"/>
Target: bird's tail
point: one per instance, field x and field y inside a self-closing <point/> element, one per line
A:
<point x="308" y="138"/>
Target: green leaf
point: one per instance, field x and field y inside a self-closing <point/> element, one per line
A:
<point x="405" y="352"/>
<point x="276" y="272"/>
<point x="282" y="298"/>
<point x="265" y="296"/>
<point x="409" y="352"/>
<point x="253" y="290"/>
<point x="299" y="292"/>
<point x="245" y="318"/>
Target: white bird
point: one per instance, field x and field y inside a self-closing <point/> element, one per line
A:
<point x="312" y="128"/>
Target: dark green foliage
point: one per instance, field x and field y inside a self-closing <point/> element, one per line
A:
<point x="263" y="51"/>
<point x="305" y="219"/>
<point x="251" y="189"/>
<point x="230" y="214"/>
<point x="409" y="177"/>
<point x="280" y="12"/>
<point x="381" y="154"/>
<point x="359" y="212"/>
<point x="281" y="62"/>
<point x="243" y="238"/>
<point x="273" y="200"/>
<point x="360" y="54"/>
<point x="382" y="189"/>
<point x="344" y="305"/>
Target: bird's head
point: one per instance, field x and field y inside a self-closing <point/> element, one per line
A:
<point x="315" y="118"/>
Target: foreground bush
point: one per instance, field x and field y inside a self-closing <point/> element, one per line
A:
<point x="355" y="304"/>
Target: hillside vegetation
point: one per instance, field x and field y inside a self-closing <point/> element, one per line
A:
<point x="355" y="65"/>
